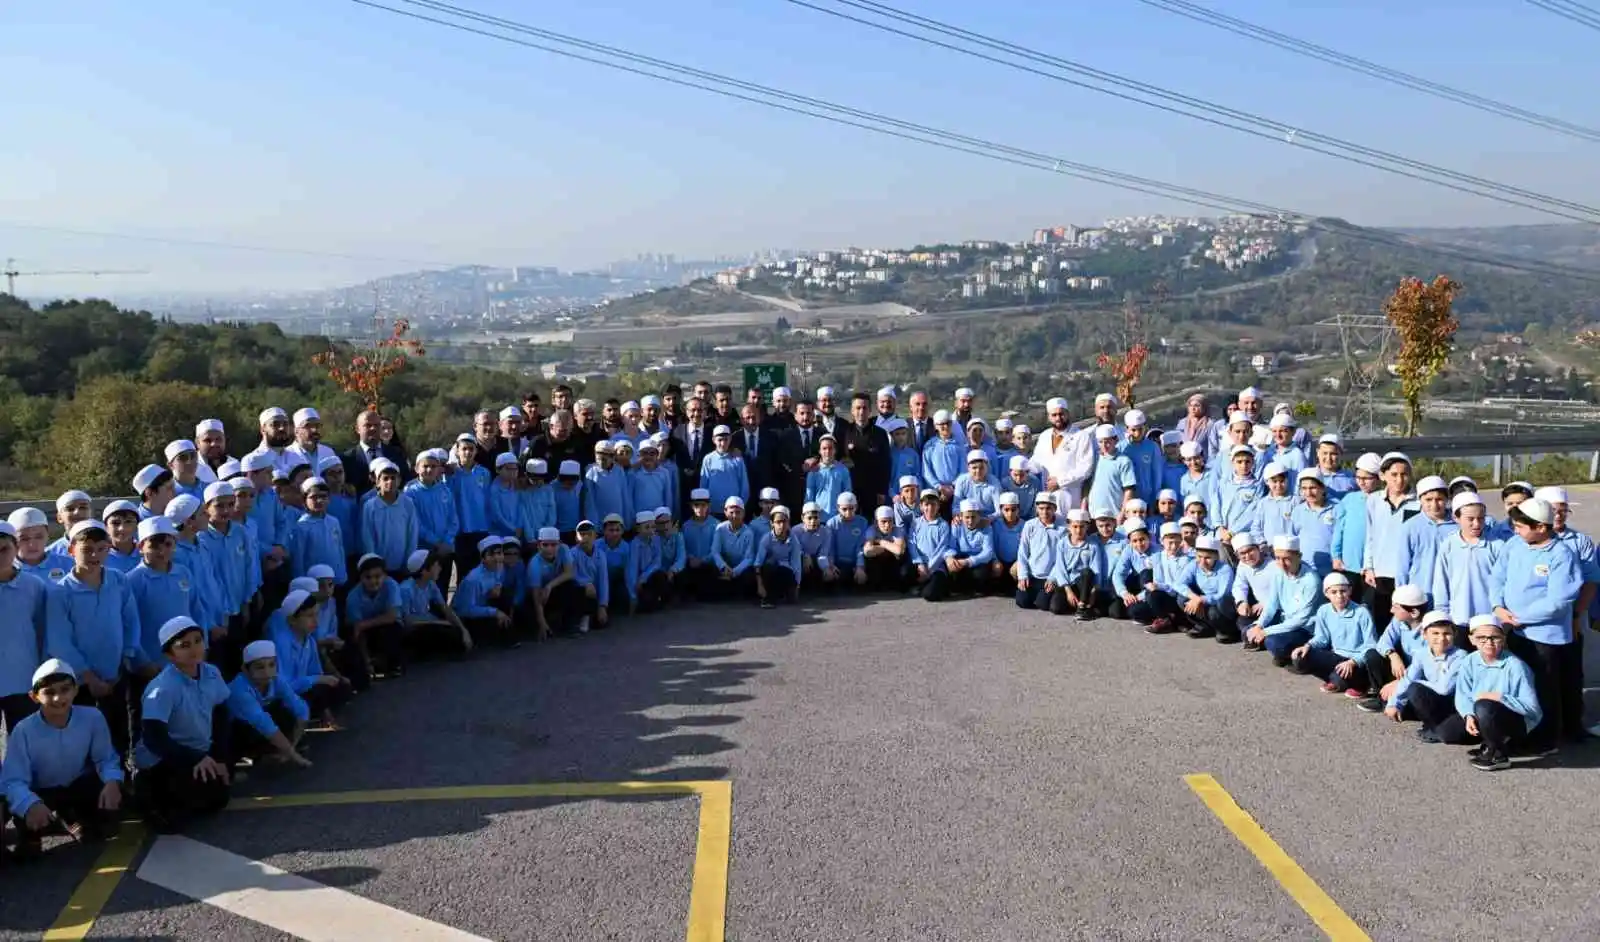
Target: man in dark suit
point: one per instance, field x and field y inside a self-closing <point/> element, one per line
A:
<point x="825" y="417"/>
<point x="797" y="454"/>
<point x="760" y="449"/>
<point x="560" y="443"/>
<point x="691" y="442"/>
<point x="369" y="447"/>
<point x="867" y="447"/>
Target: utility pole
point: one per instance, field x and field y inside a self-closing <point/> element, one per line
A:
<point x="12" y="274"/>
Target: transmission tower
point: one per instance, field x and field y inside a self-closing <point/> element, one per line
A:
<point x="1366" y="342"/>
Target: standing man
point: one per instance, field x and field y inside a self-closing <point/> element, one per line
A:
<point x="798" y="453"/>
<point x="308" y="438"/>
<point x="780" y="418"/>
<point x="826" y="419"/>
<point x="691" y="440"/>
<point x="369" y="447"/>
<point x="532" y="413"/>
<point x="866" y="448"/>
<point x="513" y="431"/>
<point x="276" y="437"/>
<point x="758" y="448"/>
<point x="963" y="410"/>
<point x="887" y="400"/>
<point x="560" y="443"/>
<point x="487" y="432"/>
<point x="1067" y="457"/>
<point x="212" y="440"/>
<point x="921" y="421"/>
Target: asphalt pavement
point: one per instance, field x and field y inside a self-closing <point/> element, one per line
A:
<point x="900" y="771"/>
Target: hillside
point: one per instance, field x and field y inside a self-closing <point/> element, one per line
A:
<point x="1573" y="244"/>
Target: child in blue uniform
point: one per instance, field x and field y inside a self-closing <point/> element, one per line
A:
<point x="481" y="601"/>
<point x="552" y="596"/>
<point x="1340" y="641"/>
<point x="848" y="530"/>
<point x="22" y="608"/>
<point x="777" y="562"/>
<point x="426" y="621"/>
<point x="1074" y="582"/>
<point x="372" y="618"/>
<point x="1209" y="606"/>
<point x="1161" y="609"/>
<point x="883" y="562"/>
<point x="971" y="550"/>
<point x="929" y="546"/>
<point x="92" y="623"/>
<point x="268" y="716"/>
<point x="1495" y="695"/>
<point x="733" y="553"/>
<point x="60" y="768"/>
<point x="1288" y="612"/>
<point x="1426" y="691"/>
<point x="183" y="747"/>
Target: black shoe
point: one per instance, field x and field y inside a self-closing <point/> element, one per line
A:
<point x="1085" y="614"/>
<point x="1426" y="734"/>
<point x="767" y="603"/>
<point x="1476" y="751"/>
<point x="1252" y="647"/>
<point x="1282" y="662"/>
<point x="1491" y="762"/>
<point x="1227" y="637"/>
<point x="1200" y="631"/>
<point x="1375" y="705"/>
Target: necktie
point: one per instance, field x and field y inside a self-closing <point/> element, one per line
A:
<point x="805" y="439"/>
<point x="695" y="445"/>
<point x="372" y="454"/>
<point x="755" y="438"/>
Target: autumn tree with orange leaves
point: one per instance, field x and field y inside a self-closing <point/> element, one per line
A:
<point x="366" y="369"/>
<point x="1420" y="312"/>
<point x="1125" y="365"/>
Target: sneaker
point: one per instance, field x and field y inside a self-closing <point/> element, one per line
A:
<point x="1085" y="614"/>
<point x="1476" y="751"/>
<point x="1491" y="762"/>
<point x="1282" y="662"/>
<point x="583" y="625"/>
<point x="767" y="603"/>
<point x="1329" y="686"/>
<point x="1354" y="694"/>
<point x="1371" y="704"/>
<point x="1426" y="734"/>
<point x="1251" y="646"/>
<point x="1160" y="626"/>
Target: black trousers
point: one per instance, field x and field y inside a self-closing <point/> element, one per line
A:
<point x="1558" y="680"/>
<point x="1380" y="601"/>
<point x="169" y="792"/>
<point x="1155" y="604"/>
<point x="1117" y="608"/>
<point x="114" y="707"/>
<point x="1219" y="618"/>
<point x="742" y="586"/>
<point x="969" y="580"/>
<point x="1437" y="711"/>
<point x="779" y="582"/>
<point x="14" y="708"/>
<point x="77" y="803"/>
<point x="1500" y="727"/>
<point x="1083" y="586"/>
<point x="1320" y="662"/>
<point x="1034" y="597"/>
<point x="936" y="587"/>
<point x="561" y="610"/>
<point x="248" y="743"/>
<point x="467" y="557"/>
<point x="654" y="592"/>
<point x="887" y="572"/>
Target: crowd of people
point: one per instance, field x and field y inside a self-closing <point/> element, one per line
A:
<point x="201" y="627"/>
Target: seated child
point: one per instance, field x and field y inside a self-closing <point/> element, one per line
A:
<point x="1210" y="607"/>
<point x="1074" y="582"/>
<point x="816" y="541"/>
<point x="1340" y="640"/>
<point x="929" y="546"/>
<point x="372" y="616"/>
<point x="554" y="596"/>
<point x="883" y="562"/>
<point x="1426" y="691"/>
<point x="733" y="553"/>
<point x="481" y="602"/>
<point x="777" y="562"/>
<point x="425" y="620"/>
<point x="1162" y="607"/>
<point x="971" y="550"/>
<point x="183" y="745"/>
<point x="299" y="663"/>
<point x="268" y="716"/>
<point x="1495" y="695"/>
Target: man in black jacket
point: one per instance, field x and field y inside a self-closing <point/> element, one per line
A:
<point x="559" y="443"/>
<point x="691" y="442"/>
<point x="759" y="447"/>
<point x="797" y="454"/>
<point x="867" y="448"/>
<point x="368" y="448"/>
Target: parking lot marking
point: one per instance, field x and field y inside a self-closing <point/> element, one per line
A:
<point x="281" y="900"/>
<point x="92" y="894"/>
<point x="1299" y="885"/>
<point x="708" y="893"/>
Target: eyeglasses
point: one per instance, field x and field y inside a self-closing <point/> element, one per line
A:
<point x="1488" y="639"/>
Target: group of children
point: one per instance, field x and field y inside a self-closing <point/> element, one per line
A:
<point x="205" y="625"/>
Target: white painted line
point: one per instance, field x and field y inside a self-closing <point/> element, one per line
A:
<point x="264" y="894"/>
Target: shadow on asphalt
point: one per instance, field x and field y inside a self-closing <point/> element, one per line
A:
<point x="652" y="698"/>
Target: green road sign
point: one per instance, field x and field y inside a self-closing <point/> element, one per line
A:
<point x="765" y="377"/>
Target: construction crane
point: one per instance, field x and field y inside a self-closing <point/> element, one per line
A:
<point x="12" y="274"/>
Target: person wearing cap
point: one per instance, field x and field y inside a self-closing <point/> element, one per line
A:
<point x="232" y="551"/>
<point x="1464" y="563"/>
<point x="184" y="512"/>
<point x="1074" y="581"/>
<point x="888" y="398"/>
<point x="883" y="561"/>
<point x="647" y="576"/>
<point x="469" y="485"/>
<point x="1276" y="506"/>
<point x="674" y="557"/>
<point x="32" y="529"/>
<point x="22" y="622"/>
<point x="1208" y="595"/>
<point x="536" y="502"/>
<point x="1388" y="509"/>
<point x="1253" y="576"/>
<point x="1161" y="609"/>
<point x="976" y="431"/>
<point x="1167" y="509"/>
<point x="589" y="574"/>
<point x="121" y="518"/>
<point x="1421" y="534"/>
<point x="1036" y="554"/>
<point x="930" y="542"/>
<point x="864" y="449"/>
<point x="1350" y="525"/>
<point x="816" y="541"/>
<point x="1510" y="496"/>
<point x="654" y="481"/>
<point x="92" y="623"/>
<point x="1497" y="693"/>
<point x="905" y="459"/>
<point x="1115" y="481"/>
<point x="1582" y="546"/>
<point x="276" y="436"/>
<point x="181" y="759"/>
<point x="828" y="479"/>
<point x="618" y="554"/>
<point x="1064" y="458"/>
<point x="971" y="551"/>
<point x="1534" y="592"/>
<point x="389" y="526"/>
<point x="1197" y="481"/>
<point x="1105" y="409"/>
<point x="372" y="621"/>
<point x="722" y="472"/>
<point x="263" y="516"/>
<point x="155" y="488"/>
<point x="781" y="417"/>
<point x="71" y="507"/>
<point x="183" y="460"/>
<point x="1313" y="519"/>
<point x="699" y="528"/>
<point x="438" y="523"/>
<point x="1426" y="690"/>
<point x="961" y="409"/>
<point x="1004" y="447"/>
<point x="60" y="768"/>
<point x="906" y="504"/>
<point x="552" y="597"/>
<point x="505" y="502"/>
<point x="1285" y="448"/>
<point x="211" y="437"/>
<point x="942" y="460"/>
<point x="1239" y="493"/>
<point x="658" y="413"/>
<point x="317" y="538"/>
<point x="777" y="564"/>
<point x="1288" y="612"/>
<point x="1130" y="579"/>
<point x="162" y="590"/>
<point x="1339" y="482"/>
<point x="480" y="599"/>
<point x="425" y="619"/>
<point x="1006" y="529"/>
<point x="978" y="484"/>
<point x="268" y="716"/>
<point x="308" y="438"/>
<point x="848" y="529"/>
<point x="567" y="493"/>
<point x="733" y="552"/>
<point x="1172" y="464"/>
<point x="1341" y="639"/>
<point x="1143" y="454"/>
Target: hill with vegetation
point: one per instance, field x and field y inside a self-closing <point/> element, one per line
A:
<point x="1574" y="244"/>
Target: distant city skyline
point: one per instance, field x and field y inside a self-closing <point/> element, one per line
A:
<point x="337" y="130"/>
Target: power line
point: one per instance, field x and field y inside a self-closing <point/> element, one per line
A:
<point x="1271" y="37"/>
<point x="1201" y="110"/>
<point x="699" y="79"/>
<point x="1579" y="13"/>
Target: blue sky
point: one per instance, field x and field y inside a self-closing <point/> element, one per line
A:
<point x="324" y="126"/>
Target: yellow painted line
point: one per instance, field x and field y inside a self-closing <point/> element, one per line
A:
<point x="91" y="896"/>
<point x="708" y="894"/>
<point x="1299" y="885"/>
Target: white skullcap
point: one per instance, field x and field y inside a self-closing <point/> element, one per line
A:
<point x="71" y="497"/>
<point x="644" y="516"/>
<point x="1008" y="499"/>
<point x="1335" y="578"/>
<point x="182" y="508"/>
<point x="1465" y="499"/>
<point x="259" y="651"/>
<point x="570" y="468"/>
<point x="1021" y="430"/>
<point x="1260" y="437"/>
<point x="699" y="493"/>
<point x="1078" y="515"/>
<point x="178" y="447"/>
<point x="630" y="406"/>
<point x="128" y="507"/>
<point x="1167" y="494"/>
<point x="1242" y="542"/>
<point x="1485" y="621"/>
<point x="1284" y="543"/>
<point x="312" y="483"/>
<point x="782" y="511"/>
<point x="251" y="463"/>
<point x="1105" y="397"/>
<point x="511" y="412"/>
<point x="1411" y="596"/>
<point x="208" y="425"/>
<point x="155" y="526"/>
<point x="1171" y="438"/>
<point x="1370" y="462"/>
<point x="1392" y="457"/>
<point x="1105" y="513"/>
<point x="380" y="465"/>
<point x="269" y="415"/>
<point x="87" y="526"/>
<point x="971" y="505"/>
<point x="537" y="467"/>
<point x="1536" y="510"/>
<point x="1437" y="618"/>
<point x="1104" y="432"/>
<point x="810" y="507"/>
<point x="721" y="431"/>
<point x="1055" y="403"/>
<point x="147" y="476"/>
<point x="1550" y="495"/>
<point x="320" y="571"/>
<point x="1309" y="474"/>
<point x="1133" y="418"/>
<point x="770" y="493"/>
<point x="1249" y="392"/>
<point x="1207" y="543"/>
<point x="733" y="502"/>
<point x="663" y="512"/>
<point x="503" y="459"/>
<point x="884" y="513"/>
<point x="490" y="542"/>
<point x="941" y="417"/>
<point x="1238" y="450"/>
<point x="888" y="391"/>
<point x="1171" y="529"/>
<point x="306" y="415"/>
<point x="846" y="499"/>
<point x="824" y="392"/>
<point x="649" y="401"/>
<point x="1190" y="450"/>
<point x="1019" y="463"/>
<point x="783" y="391"/>
<point x="218" y="489"/>
<point x="1003" y="424"/>
<point x="977" y="454"/>
<point x="1134" y="505"/>
<point x="1432" y="482"/>
<point x="173" y="627"/>
<point x="1281" y="420"/>
<point x="1272" y="470"/>
<point x="52" y="668"/>
<point x="1331" y="439"/>
<point x="606" y="447"/>
<point x="416" y="561"/>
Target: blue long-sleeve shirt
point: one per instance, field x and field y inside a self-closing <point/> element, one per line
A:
<point x="644" y="561"/>
<point x="1204" y="486"/>
<point x="1170" y="572"/>
<point x="848" y="536"/>
<point x="971" y="543"/>
<point x="1461" y="575"/>
<point x="1350" y="531"/>
<point x="417" y="600"/>
<point x="1113" y="475"/>
<point x="1007" y="538"/>
<point x="184" y="704"/>
<point x="1253" y="581"/>
<point x="203" y="572"/>
<point x="673" y="556"/>
<point x="1349" y="633"/>
<point x="437" y="519"/>
<point x="470" y="486"/>
<point x="1404" y="638"/>
<point x="541" y="571"/>
<point x="1146" y="459"/>
<point x="1276" y="515"/>
<point x="1075" y="559"/>
<point x="930" y="544"/>
<point x="389" y="530"/>
<point x="903" y="462"/>
<point x="318" y="539"/>
<point x="299" y="661"/>
<point x="1037" y="549"/>
<point x="1385" y="533"/>
<point x="589" y="569"/>
<point x="1027" y="491"/>
<point x="814" y="544"/>
<point x="536" y="506"/>
<point x="943" y="460"/>
<point x="569" y="505"/>
<point x="346" y="510"/>
<point x="22" y="628"/>
<point x="733" y="549"/>
<point x="1240" y="504"/>
<point x="1419" y="545"/>
<point x="92" y="629"/>
<point x="505" y="509"/>
<point x="40" y="756"/>
<point x="249" y="705"/>
<point x="158" y="598"/>
<point x="985" y="492"/>
<point x="264" y="513"/>
<point x="655" y="488"/>
<point x="1213" y="585"/>
<point x="1114" y="549"/>
<point x="1509" y="676"/>
<point x="1337" y="483"/>
<point x="1315" y="528"/>
<point x="1437" y="672"/>
<point x="785" y="552"/>
<point x="1539" y="585"/>
<point x="1292" y="603"/>
<point x="697" y="537"/>
<point x="724" y="476"/>
<point x="233" y="559"/>
<point x="1132" y="563"/>
<point x="472" y="596"/>
<point x="824" y="485"/>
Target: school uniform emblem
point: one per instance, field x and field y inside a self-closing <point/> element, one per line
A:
<point x="183" y="585"/>
<point x="1542" y="570"/>
<point x="56" y="575"/>
<point x="1327" y="517"/>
